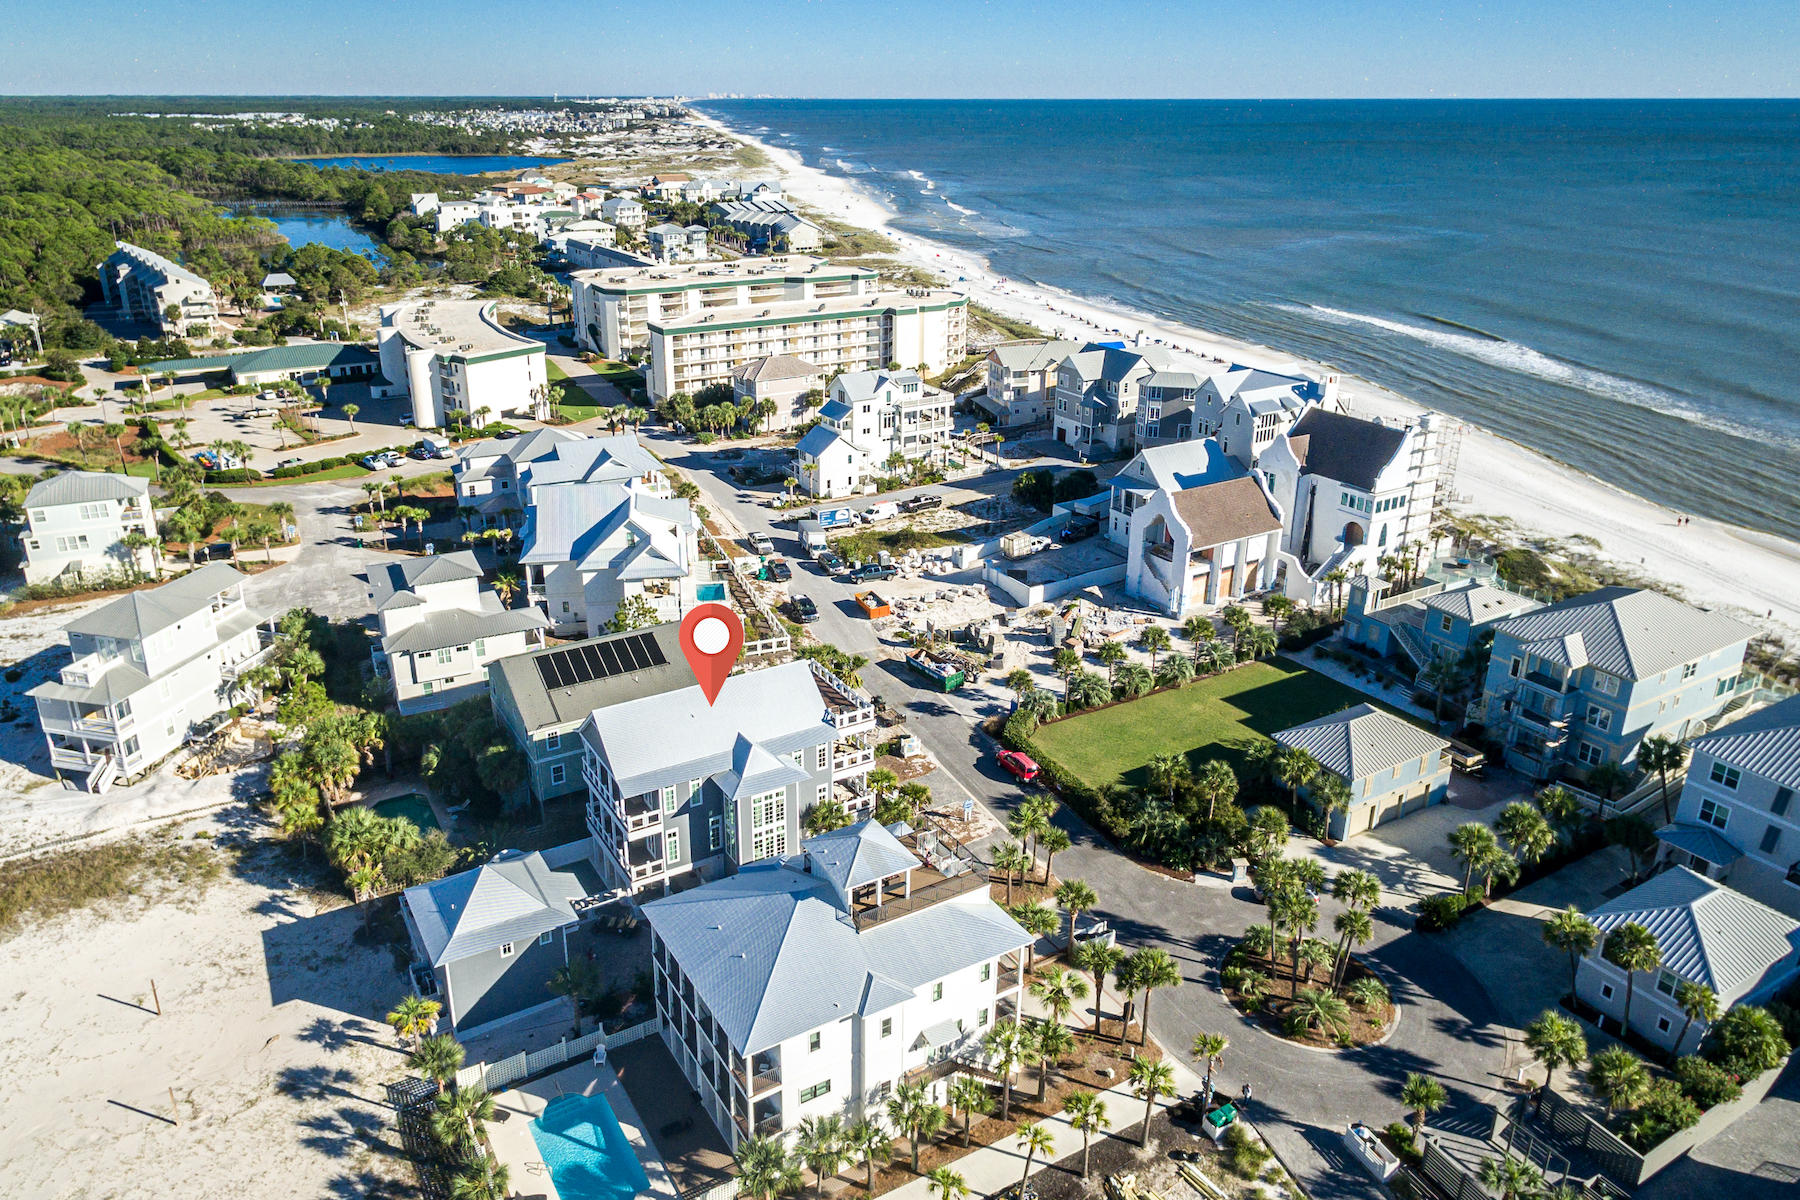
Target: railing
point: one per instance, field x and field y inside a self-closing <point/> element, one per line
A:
<point x="255" y="658"/>
<point x="85" y="671"/>
<point x="90" y="726"/>
<point x="860" y="757"/>
<point x="523" y="1065"/>
<point x="760" y="1084"/>
<point x="921" y="898"/>
<point x="73" y="760"/>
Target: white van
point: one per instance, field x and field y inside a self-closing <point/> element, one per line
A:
<point x="886" y="510"/>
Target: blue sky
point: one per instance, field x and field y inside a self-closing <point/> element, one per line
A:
<point x="955" y="48"/>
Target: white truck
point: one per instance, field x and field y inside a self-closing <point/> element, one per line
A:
<point x="437" y="446"/>
<point x="812" y="539"/>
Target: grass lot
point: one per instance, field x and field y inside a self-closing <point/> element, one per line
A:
<point x="1213" y="718"/>
<point x="575" y="403"/>
<point x="132" y="868"/>
<point x="867" y="545"/>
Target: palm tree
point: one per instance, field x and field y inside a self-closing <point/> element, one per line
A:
<point x="1087" y="1114"/>
<point x="1699" y="1002"/>
<point x="1618" y="1077"/>
<point x="1010" y="859"/>
<point x="492" y="1182"/>
<point x="1149" y="1080"/>
<point x="1556" y="1041"/>
<point x="1153" y="640"/>
<point x="1209" y="1048"/>
<point x="1631" y="948"/>
<point x="1261" y="643"/>
<point x="1337" y="577"/>
<point x="1059" y="992"/>
<point x="1356" y="889"/>
<point x="1066" y="663"/>
<point x="1053" y="1043"/>
<point x="1019" y="681"/>
<point x="1006" y="1045"/>
<point x="1471" y="844"/>
<point x="1526" y="831"/>
<point x="1111" y="654"/>
<point x="1215" y="782"/>
<point x="868" y="1141"/>
<point x="1167" y="770"/>
<point x="1560" y="808"/>
<point x="438" y="1058"/>
<point x="1570" y="930"/>
<point x="763" y="1166"/>
<point x="1329" y="794"/>
<point x="946" y="1184"/>
<point x="1033" y="1140"/>
<point x="1053" y="841"/>
<point x="1134" y="680"/>
<point x="1662" y="755"/>
<point x="1353" y="928"/>
<point x="1099" y="960"/>
<point x="1607" y="778"/>
<point x="970" y="1095"/>
<point x="459" y="1115"/>
<point x="1295" y="768"/>
<point x="1513" y="1178"/>
<point x="414" y="1017"/>
<point x="1237" y="619"/>
<point x="820" y="1144"/>
<point x="1088" y="690"/>
<point x="1316" y="1008"/>
<point x="1155" y="970"/>
<point x="1278" y="608"/>
<point x="1076" y="897"/>
<point x="1423" y="1095"/>
<point x="1175" y="672"/>
<point x="1036" y="920"/>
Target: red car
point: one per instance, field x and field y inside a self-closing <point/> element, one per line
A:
<point x="1018" y="764"/>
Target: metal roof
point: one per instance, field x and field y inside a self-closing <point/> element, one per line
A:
<point x="1707" y="932"/>
<point x="391" y="584"/>
<point x="1703" y="840"/>
<point x="84" y="487"/>
<point x="460" y="626"/>
<point x="511" y="899"/>
<point x="143" y="613"/>
<point x="1632" y="633"/>
<point x="1181" y="465"/>
<point x="1478" y="602"/>
<point x="1362" y="741"/>
<point x="1765" y="743"/>
<point x="541" y="706"/>
<point x="857" y="855"/>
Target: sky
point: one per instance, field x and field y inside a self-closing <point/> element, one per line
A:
<point x="907" y="48"/>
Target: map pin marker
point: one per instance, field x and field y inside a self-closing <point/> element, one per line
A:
<point x="711" y="636"/>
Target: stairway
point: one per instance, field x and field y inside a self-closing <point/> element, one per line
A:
<point x="103" y="775"/>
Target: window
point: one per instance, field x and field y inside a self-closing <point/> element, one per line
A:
<point x="812" y="1042"/>
<point x="506" y="949"/>
<point x="1771" y="838"/>
<point x="815" y="1091"/>
<point x="1665" y="983"/>
<point x="1590" y="754"/>
<point x="1606" y="685"/>
<point x="937" y="991"/>
<point x="444" y="653"/>
<point x="558" y="773"/>
<point x="480" y="647"/>
<point x="824" y="750"/>
<point x="981" y="1018"/>
<point x="553" y="741"/>
<point x="694" y="786"/>
<point x="1599" y="718"/>
<point x="669" y="801"/>
<point x="672" y="846"/>
<point x="1725" y="685"/>
<point x="1724" y="776"/>
<point x="1713" y="813"/>
<point x="1689" y="670"/>
<point x="712" y="833"/>
<point x="546" y="937"/>
<point x="1783" y="797"/>
<point x="427" y="686"/>
<point x="1445" y="622"/>
<point x="1606" y="991"/>
<point x="887" y="1027"/>
<point x="987" y="972"/>
<point x="1516" y="667"/>
<point x="1662" y="1024"/>
<point x="37" y="516"/>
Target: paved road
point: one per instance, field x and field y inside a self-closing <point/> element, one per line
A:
<point x="1302" y="1097"/>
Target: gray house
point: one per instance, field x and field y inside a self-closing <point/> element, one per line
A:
<point x="492" y="937"/>
<point x="1393" y="767"/>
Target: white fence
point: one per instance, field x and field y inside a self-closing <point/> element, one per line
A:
<point x="523" y="1065"/>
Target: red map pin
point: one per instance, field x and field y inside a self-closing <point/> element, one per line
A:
<point x="711" y="636"/>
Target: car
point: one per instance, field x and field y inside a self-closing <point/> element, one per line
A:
<point x="874" y="570"/>
<point x="922" y="502"/>
<point x="1020" y="765"/>
<point x="760" y="543"/>
<point x="421" y="452"/>
<point x="833" y="563"/>
<point x="406" y="421"/>
<point x="289" y="462"/>
<point x="779" y="571"/>
<point x="505" y="435"/>
<point x="804" y="610"/>
<point x="1078" y="531"/>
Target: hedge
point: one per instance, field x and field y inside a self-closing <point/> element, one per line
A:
<point x="1092" y="806"/>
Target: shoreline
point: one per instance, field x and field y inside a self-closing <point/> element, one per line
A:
<point x="1750" y="573"/>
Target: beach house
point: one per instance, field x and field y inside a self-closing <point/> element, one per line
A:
<point x="1098" y="391"/>
<point x="591" y="547"/>
<point x="681" y="790"/>
<point x="487" y="475"/>
<point x="1583" y="681"/>
<point x="146" y="671"/>
<point x="1708" y="934"/>
<point x="817" y="982"/>
<point x="871" y="424"/>
<point x="1021" y="381"/>
<point x="769" y="223"/>
<point x="454" y="356"/>
<point x="142" y="286"/>
<point x="1391" y="767"/>
<point x="441" y="629"/>
<point x="77" y="523"/>
<point x="1200" y="547"/>
<point x="791" y="384"/>
<point x="1245" y="407"/>
<point x="671" y="243"/>
<point x="1436" y="620"/>
<point x="1737" y="821"/>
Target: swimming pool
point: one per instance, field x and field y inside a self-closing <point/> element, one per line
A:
<point x="412" y="806"/>
<point x="586" y="1151"/>
<point x="710" y="593"/>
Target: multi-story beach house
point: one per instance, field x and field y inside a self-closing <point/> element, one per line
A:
<point x="1391" y="766"/>
<point x="146" y="670"/>
<point x="590" y="547"/>
<point x="816" y="983"/>
<point x="143" y="286"/>
<point x="787" y="382"/>
<point x="542" y="705"/>
<point x="613" y="307"/>
<point x="624" y="212"/>
<point x="1021" y="380"/>
<point x="1438" y="619"/>
<point x="671" y="243"/>
<point x="76" y="523"/>
<point x="1196" y="548"/>
<point x="918" y="329"/>
<point x="872" y="422"/>
<point x="769" y="223"/>
<point x="1098" y="390"/>
<point x="679" y="789"/>
<point x="1583" y="681"/>
<point x="442" y="629"/>
<point x="455" y="356"/>
<point x="1708" y="934"/>
<point x="488" y="471"/>
<point x="1737" y="821"/>
<point x="1243" y="406"/>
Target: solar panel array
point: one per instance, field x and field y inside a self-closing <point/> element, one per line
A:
<point x="599" y="660"/>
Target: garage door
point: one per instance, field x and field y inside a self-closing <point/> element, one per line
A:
<point x="1224" y="582"/>
<point x="1360" y="819"/>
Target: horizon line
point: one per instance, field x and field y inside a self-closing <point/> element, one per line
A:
<point x="560" y="97"/>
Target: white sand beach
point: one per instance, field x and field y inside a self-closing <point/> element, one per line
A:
<point x="1753" y="574"/>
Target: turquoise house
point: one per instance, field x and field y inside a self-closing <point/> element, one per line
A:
<point x="1393" y="768"/>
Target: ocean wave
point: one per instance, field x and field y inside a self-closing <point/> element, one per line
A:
<point x="967" y="212"/>
<point x="928" y="181"/>
<point x="1520" y="359"/>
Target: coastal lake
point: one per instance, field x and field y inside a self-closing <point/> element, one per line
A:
<point x="437" y="164"/>
<point x="309" y="226"/>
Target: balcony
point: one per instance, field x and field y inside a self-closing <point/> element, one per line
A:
<point x="851" y="760"/>
<point x="1010" y="978"/>
<point x="1553" y="684"/>
<point x="640" y="814"/>
<point x="74" y="758"/>
<point x="255" y="658"/>
<point x="85" y="671"/>
<point x="766" y="1079"/>
<point x="94" y="725"/>
<point x="1551" y="728"/>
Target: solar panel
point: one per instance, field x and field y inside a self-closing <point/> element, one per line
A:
<point x="599" y="660"/>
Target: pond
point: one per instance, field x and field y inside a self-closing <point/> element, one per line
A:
<point x="437" y="164"/>
<point x="307" y="226"/>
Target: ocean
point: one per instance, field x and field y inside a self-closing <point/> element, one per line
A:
<point x="1613" y="283"/>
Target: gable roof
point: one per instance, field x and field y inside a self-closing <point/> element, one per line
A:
<point x="1225" y="511"/>
<point x="1343" y="448"/>
<point x="1633" y="633"/>
<point x="1707" y="932"/>
<point x="1187" y="464"/>
<point x="84" y="487"/>
<point x="143" y="613"/>
<point x="771" y="367"/>
<point x="1362" y="741"/>
<point x="512" y="898"/>
<point x="1032" y="355"/>
<point x="1479" y="602"/>
<point x="460" y="626"/>
<point x="541" y="706"/>
<point x="1766" y="743"/>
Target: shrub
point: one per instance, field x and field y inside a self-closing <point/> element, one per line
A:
<point x="1746" y="1042"/>
<point x="1664" y="1111"/>
<point x="1245" y="1157"/>
<point x="1399" y="1137"/>
<point x="1441" y="912"/>
<point x="1704" y="1083"/>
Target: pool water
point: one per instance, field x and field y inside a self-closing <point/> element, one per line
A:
<point x="412" y="806"/>
<point x="710" y="593"/>
<point x="586" y="1151"/>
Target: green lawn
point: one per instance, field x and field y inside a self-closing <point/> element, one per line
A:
<point x="575" y="403"/>
<point x="1213" y="718"/>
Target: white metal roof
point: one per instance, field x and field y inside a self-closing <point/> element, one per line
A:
<point x="1707" y="932"/>
<point x="1362" y="741"/>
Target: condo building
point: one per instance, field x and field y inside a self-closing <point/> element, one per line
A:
<point x="146" y="287"/>
<point x="455" y="356"/>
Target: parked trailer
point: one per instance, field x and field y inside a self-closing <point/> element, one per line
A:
<point x="945" y="673"/>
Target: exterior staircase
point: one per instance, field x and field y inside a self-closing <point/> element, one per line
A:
<point x="1412" y="640"/>
<point x="103" y="775"/>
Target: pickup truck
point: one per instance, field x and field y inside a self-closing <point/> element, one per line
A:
<point x="777" y="570"/>
<point x="760" y="543"/>
<point x="1078" y="530"/>
<point x="922" y="502"/>
<point x="805" y="611"/>
<point x="869" y="571"/>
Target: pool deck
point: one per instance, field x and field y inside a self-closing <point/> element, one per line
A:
<point x="514" y="1145"/>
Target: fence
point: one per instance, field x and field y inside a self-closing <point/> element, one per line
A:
<point x="523" y="1065"/>
<point x="724" y="1189"/>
